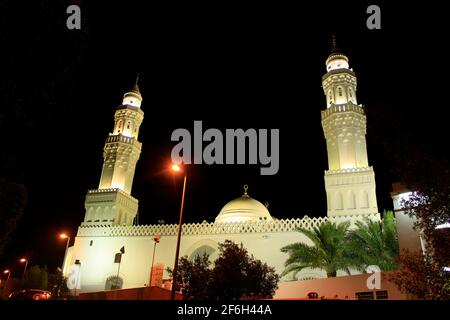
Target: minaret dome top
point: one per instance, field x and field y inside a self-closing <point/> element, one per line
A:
<point x="336" y="59"/>
<point x="133" y="97"/>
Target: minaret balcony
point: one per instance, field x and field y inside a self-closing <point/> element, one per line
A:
<point x="348" y="170"/>
<point x="122" y="138"/>
<point x="338" y="108"/>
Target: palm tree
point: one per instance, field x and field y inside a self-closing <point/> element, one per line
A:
<point x="374" y="243"/>
<point x="328" y="252"/>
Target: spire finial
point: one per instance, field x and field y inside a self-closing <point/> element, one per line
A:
<point x="137" y="77"/>
<point x="136" y="84"/>
<point x="245" y="189"/>
<point x="334" y="41"/>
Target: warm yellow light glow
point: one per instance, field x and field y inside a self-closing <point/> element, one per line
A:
<point x="6" y="271"/>
<point x="234" y="219"/>
<point x="117" y="185"/>
<point x="176" y="168"/>
<point x="23" y="260"/>
<point x="63" y="236"/>
<point x="347" y="166"/>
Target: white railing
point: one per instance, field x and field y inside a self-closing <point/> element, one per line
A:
<point x="361" y="169"/>
<point x="209" y="228"/>
<point x="335" y="108"/>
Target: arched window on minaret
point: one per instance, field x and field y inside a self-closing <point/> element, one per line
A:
<point x="351" y="200"/>
<point x="338" y="202"/>
<point x="330" y="96"/>
<point x="364" y="199"/>
<point x="98" y="214"/>
<point x="340" y="91"/>
<point x="351" y="95"/>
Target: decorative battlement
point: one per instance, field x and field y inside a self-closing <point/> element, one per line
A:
<point x="349" y="170"/>
<point x="111" y="190"/>
<point x="335" y="108"/>
<point x="208" y="228"/>
<point x="122" y="138"/>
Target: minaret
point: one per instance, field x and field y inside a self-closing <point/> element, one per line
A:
<point x="349" y="180"/>
<point x="111" y="203"/>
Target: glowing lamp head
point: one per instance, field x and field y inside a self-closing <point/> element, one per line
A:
<point x="176" y="167"/>
<point x="23" y="260"/>
<point x="6" y="271"/>
<point x="63" y="236"/>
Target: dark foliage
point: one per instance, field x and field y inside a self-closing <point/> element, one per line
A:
<point x="235" y="275"/>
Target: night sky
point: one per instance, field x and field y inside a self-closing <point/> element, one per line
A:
<point x="229" y="66"/>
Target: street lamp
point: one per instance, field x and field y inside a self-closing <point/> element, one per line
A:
<point x="24" y="260"/>
<point x="9" y="274"/>
<point x="156" y="240"/>
<point x="177" y="168"/>
<point x="64" y="236"/>
<point x="118" y="259"/>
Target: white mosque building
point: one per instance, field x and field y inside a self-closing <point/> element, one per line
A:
<point x="111" y="209"/>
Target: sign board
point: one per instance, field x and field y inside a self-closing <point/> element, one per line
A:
<point x="157" y="275"/>
<point x="382" y="294"/>
<point x="364" y="295"/>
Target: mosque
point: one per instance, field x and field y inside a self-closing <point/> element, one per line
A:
<point x="109" y="225"/>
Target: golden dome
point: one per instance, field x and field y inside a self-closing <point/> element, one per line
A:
<point x="242" y="209"/>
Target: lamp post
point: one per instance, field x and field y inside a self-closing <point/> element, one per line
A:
<point x="77" y="282"/>
<point x="5" y="287"/>
<point x="9" y="274"/>
<point x="118" y="259"/>
<point x="177" y="168"/>
<point x="24" y="260"/>
<point x="156" y="240"/>
<point x="64" y="236"/>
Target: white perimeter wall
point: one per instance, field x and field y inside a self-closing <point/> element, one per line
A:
<point x="97" y="260"/>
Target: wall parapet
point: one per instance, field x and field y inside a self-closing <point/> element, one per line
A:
<point x="111" y="191"/>
<point x="210" y="228"/>
<point x="349" y="170"/>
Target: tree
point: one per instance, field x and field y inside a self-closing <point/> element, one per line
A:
<point x="431" y="207"/>
<point x="44" y="278"/>
<point x="328" y="251"/>
<point x="194" y="277"/>
<point x="36" y="278"/>
<point x="33" y="277"/>
<point x="57" y="284"/>
<point x="374" y="243"/>
<point x="235" y="275"/>
<point x="422" y="273"/>
<point x="420" y="277"/>
<point x="13" y="199"/>
<point x="426" y="173"/>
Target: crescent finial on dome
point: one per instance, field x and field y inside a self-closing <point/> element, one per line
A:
<point x="245" y="190"/>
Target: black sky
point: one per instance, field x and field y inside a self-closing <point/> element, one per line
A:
<point x="230" y="66"/>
